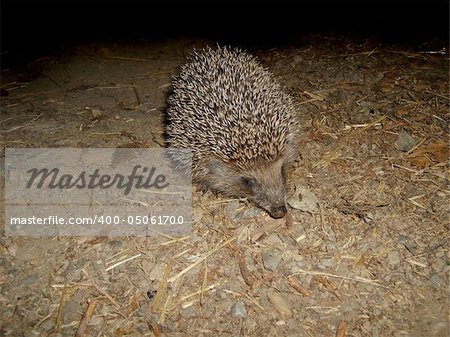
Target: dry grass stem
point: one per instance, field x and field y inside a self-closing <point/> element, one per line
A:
<point x="122" y="262"/>
<point x="162" y="288"/>
<point x="354" y="278"/>
<point x="202" y="258"/>
<point x="108" y="296"/>
<point x="199" y="292"/>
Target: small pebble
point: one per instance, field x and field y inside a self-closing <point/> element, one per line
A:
<point x="271" y="259"/>
<point x="435" y="280"/>
<point x="231" y="207"/>
<point x="274" y="240"/>
<point x="401" y="238"/>
<point x="71" y="312"/>
<point x="328" y="262"/>
<point x="441" y="194"/>
<point x="304" y="200"/>
<point x="252" y="212"/>
<point x="405" y="142"/>
<point x="238" y="310"/>
<point x="188" y="313"/>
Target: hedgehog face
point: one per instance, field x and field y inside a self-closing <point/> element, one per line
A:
<point x="263" y="185"/>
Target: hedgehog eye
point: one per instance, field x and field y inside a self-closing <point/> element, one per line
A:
<point x="247" y="182"/>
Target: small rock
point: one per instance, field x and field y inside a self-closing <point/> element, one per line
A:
<point x="401" y="238"/>
<point x="435" y="280"/>
<point x="96" y="112"/>
<point x="393" y="258"/>
<point x="231" y="208"/>
<point x="328" y="262"/>
<point x="242" y="234"/>
<point x="252" y="212"/>
<point x="271" y="260"/>
<point x="234" y="212"/>
<point x="368" y="217"/>
<point x="72" y="312"/>
<point x="115" y="244"/>
<point x="274" y="240"/>
<point x="30" y="280"/>
<point x="222" y="294"/>
<point x="405" y="142"/>
<point x="188" y="313"/>
<point x="304" y="200"/>
<point x="439" y="264"/>
<point x="238" y="310"/>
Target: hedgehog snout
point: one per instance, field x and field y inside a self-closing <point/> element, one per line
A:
<point x="269" y="193"/>
<point x="275" y="206"/>
<point x="278" y="212"/>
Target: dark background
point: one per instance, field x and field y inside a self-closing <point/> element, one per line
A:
<point x="30" y="28"/>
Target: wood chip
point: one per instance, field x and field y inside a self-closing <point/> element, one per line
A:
<point x="280" y="304"/>
<point x="296" y="285"/>
<point x="246" y="275"/>
<point x="267" y="228"/>
<point x="342" y="327"/>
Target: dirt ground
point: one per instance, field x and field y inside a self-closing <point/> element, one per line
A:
<point x="363" y="252"/>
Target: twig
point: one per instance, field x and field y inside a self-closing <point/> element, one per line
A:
<point x="294" y="284"/>
<point x="138" y="98"/>
<point x="405" y="168"/>
<point x="327" y="284"/>
<point x="81" y="331"/>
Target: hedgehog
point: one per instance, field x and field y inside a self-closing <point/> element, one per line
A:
<point x="239" y="123"/>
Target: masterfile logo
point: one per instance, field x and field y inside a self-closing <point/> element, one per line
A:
<point x="107" y="192"/>
<point x="55" y="179"/>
